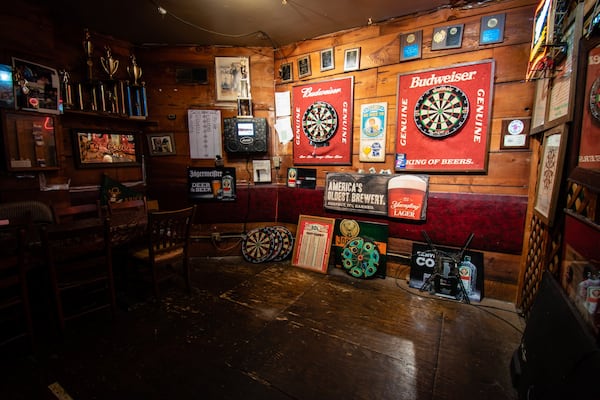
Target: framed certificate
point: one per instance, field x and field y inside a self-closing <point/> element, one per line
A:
<point x="313" y="243"/>
<point x="549" y="177"/>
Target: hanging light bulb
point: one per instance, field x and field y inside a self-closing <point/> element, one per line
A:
<point x="162" y="11"/>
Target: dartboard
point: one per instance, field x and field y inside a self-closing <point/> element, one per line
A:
<point x="276" y="242"/>
<point x="595" y="99"/>
<point x="320" y="122"/>
<point x="257" y="246"/>
<point x="360" y="258"/>
<point x="441" y="111"/>
<point x="287" y="243"/>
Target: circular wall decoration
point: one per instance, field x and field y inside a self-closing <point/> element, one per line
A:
<point x="349" y="228"/>
<point x="441" y="111"/>
<point x="595" y="99"/>
<point x="360" y="258"/>
<point x="320" y="122"/>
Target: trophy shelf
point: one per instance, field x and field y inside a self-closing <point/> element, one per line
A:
<point x="124" y="118"/>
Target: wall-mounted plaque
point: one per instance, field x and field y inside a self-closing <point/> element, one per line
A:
<point x="447" y="37"/>
<point x="492" y="29"/>
<point x="410" y="45"/>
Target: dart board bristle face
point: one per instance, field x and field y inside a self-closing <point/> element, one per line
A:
<point x="441" y="111"/>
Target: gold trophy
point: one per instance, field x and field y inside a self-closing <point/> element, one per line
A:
<point x="66" y="88"/>
<point x="134" y="70"/>
<point x="109" y="64"/>
<point x="88" y="48"/>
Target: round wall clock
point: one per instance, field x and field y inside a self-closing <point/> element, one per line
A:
<point x="595" y="99"/>
<point x="320" y="122"/>
<point x="441" y="111"/>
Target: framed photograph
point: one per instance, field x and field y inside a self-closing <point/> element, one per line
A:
<point x="286" y="72"/>
<point x="232" y="78"/>
<point x="327" y="60"/>
<point x="104" y="149"/>
<point x="549" y="176"/>
<point x="352" y="59"/>
<point x="161" y="144"/>
<point x="515" y="133"/>
<point x="304" y="67"/>
<point x="37" y="87"/>
<point x="312" y="246"/>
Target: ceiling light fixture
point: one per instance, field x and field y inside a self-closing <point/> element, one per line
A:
<point x="162" y="11"/>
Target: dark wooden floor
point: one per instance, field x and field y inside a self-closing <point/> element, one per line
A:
<point x="272" y="331"/>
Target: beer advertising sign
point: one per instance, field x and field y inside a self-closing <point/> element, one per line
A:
<point x="444" y="118"/>
<point x="322" y="122"/>
<point x="396" y="196"/>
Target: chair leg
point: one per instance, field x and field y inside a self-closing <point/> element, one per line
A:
<point x="186" y="275"/>
<point x="155" y="281"/>
<point x="59" y="307"/>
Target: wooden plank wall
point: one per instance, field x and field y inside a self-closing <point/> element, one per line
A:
<point x="508" y="170"/>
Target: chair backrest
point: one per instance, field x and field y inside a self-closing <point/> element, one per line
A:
<point x="79" y="240"/>
<point x="76" y="212"/>
<point x="12" y="251"/>
<point x="13" y="279"/>
<point x="169" y="231"/>
<point x="128" y="221"/>
<point x="40" y="213"/>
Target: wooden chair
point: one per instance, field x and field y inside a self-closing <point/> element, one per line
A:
<point x="168" y="237"/>
<point x="15" y="310"/>
<point x="128" y="221"/>
<point x="78" y="256"/>
<point x="71" y="213"/>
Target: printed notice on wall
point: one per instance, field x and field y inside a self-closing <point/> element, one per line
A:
<point x="205" y="133"/>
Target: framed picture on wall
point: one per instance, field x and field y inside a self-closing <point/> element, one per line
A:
<point x="587" y="119"/>
<point x="327" y="60"/>
<point x="232" y="77"/>
<point x="304" y="67"/>
<point x="352" y="59"/>
<point x="104" y="148"/>
<point x="37" y="87"/>
<point x="285" y="72"/>
<point x="549" y="176"/>
<point x="161" y="144"/>
<point x="560" y="102"/>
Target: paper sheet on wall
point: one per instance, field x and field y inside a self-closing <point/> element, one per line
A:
<point x="283" y="105"/>
<point x="283" y="126"/>
<point x="205" y="133"/>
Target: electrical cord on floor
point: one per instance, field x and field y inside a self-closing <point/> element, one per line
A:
<point x="479" y="307"/>
<point x="228" y="248"/>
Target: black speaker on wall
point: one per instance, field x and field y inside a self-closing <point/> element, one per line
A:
<point x="558" y="357"/>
